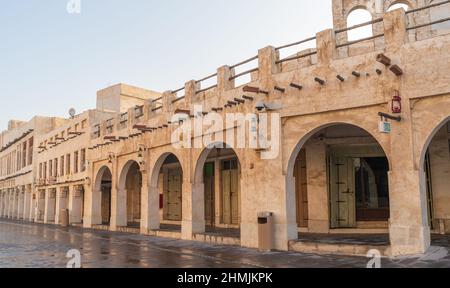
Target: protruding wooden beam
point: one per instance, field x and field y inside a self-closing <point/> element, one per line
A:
<point x="240" y="101"/>
<point x="254" y="90"/>
<point x="232" y="103"/>
<point x="320" y="81"/>
<point x="181" y="111"/>
<point x="396" y="70"/>
<point x="248" y="98"/>
<point x="280" y="89"/>
<point x="296" y="86"/>
<point x="383" y="59"/>
<point x="379" y="72"/>
<point x="356" y="74"/>
<point x="340" y="78"/>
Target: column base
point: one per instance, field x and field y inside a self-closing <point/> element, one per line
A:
<point x="319" y="226"/>
<point x="189" y="228"/>
<point x="409" y="240"/>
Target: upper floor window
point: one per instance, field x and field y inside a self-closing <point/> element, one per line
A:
<point x="356" y="17"/>
<point x="398" y="6"/>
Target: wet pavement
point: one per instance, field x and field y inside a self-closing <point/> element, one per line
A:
<point x="45" y="246"/>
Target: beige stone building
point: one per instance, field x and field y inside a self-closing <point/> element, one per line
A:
<point x="18" y="165"/>
<point x="361" y="147"/>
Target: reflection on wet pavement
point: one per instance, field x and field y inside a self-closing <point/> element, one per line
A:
<point x="36" y="245"/>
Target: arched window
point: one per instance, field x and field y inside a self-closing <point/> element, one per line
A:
<point x="356" y="17"/>
<point x="398" y="6"/>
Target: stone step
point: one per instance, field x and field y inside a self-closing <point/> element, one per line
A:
<point x="337" y="248"/>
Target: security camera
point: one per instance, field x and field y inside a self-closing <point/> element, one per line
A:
<point x="260" y="106"/>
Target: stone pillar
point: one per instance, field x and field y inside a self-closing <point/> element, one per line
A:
<point x="144" y="203"/>
<point x="40" y="206"/>
<point x="318" y="198"/>
<point x="408" y="225"/>
<point x="395" y="30"/>
<point x="267" y="58"/>
<point x="326" y="47"/>
<point x="21" y="202"/>
<point x="224" y="83"/>
<point x="61" y="202"/>
<point x="2" y="204"/>
<point x="33" y="201"/>
<point x="193" y="209"/>
<point x="190" y="90"/>
<point x="152" y="219"/>
<point x="11" y="204"/>
<point x="217" y="194"/>
<point x="440" y="178"/>
<point x="76" y="194"/>
<point x="15" y="203"/>
<point x="50" y="203"/>
<point x="27" y="203"/>
<point x="93" y="208"/>
<point x="167" y="99"/>
<point x="118" y="201"/>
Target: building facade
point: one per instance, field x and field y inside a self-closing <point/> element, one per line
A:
<point x="358" y="142"/>
<point x="18" y="165"/>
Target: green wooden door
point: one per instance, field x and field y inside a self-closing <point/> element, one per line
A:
<point x="173" y="195"/>
<point x="342" y="192"/>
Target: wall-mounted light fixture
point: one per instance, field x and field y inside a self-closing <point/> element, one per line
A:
<point x="396" y="103"/>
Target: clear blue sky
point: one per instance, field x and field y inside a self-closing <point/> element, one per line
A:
<point x="52" y="60"/>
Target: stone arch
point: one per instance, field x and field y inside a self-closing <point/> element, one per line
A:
<point x="293" y="154"/>
<point x="212" y="199"/>
<point x="390" y="5"/>
<point x="158" y="165"/>
<point x="357" y="15"/>
<point x="124" y="171"/>
<point x="198" y="176"/>
<point x="292" y="159"/>
<point x="101" y="202"/>
<point x="152" y="218"/>
<point x="99" y="176"/>
<point x="130" y="193"/>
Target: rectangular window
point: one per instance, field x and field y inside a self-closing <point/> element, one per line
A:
<point x="45" y="170"/>
<point x="83" y="160"/>
<point x="83" y="124"/>
<point x="56" y="167"/>
<point x="61" y="165"/>
<point x="24" y="154"/>
<point x="50" y="168"/>
<point x="18" y="160"/>
<point x="67" y="164"/>
<point x="30" y="151"/>
<point x="75" y="162"/>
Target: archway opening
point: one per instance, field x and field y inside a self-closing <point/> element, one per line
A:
<point x="170" y="189"/>
<point x="340" y="183"/>
<point x="435" y="164"/>
<point x="356" y="17"/>
<point x="219" y="170"/>
<point x="133" y="187"/>
<point x="398" y="5"/>
<point x="105" y="197"/>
